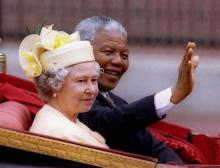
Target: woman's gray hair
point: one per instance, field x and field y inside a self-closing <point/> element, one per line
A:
<point x="88" y="27"/>
<point x="49" y="81"/>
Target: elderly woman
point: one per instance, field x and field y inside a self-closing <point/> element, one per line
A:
<point x="65" y="73"/>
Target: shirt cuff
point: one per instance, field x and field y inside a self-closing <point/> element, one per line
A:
<point x="162" y="102"/>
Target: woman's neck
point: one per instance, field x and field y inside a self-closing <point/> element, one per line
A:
<point x="69" y="114"/>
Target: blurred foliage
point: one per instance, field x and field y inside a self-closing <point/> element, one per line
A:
<point x="35" y="30"/>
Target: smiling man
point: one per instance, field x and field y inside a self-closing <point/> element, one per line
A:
<point x="124" y="125"/>
<point x="111" y="48"/>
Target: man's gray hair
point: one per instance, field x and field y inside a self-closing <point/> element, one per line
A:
<point x="88" y="27"/>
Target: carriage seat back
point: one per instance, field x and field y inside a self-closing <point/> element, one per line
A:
<point x="14" y="115"/>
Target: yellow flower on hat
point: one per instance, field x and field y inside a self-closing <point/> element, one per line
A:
<point x="52" y="39"/>
<point x="32" y="68"/>
<point x="62" y="39"/>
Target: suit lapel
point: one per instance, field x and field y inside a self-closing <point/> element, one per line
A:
<point x="103" y="101"/>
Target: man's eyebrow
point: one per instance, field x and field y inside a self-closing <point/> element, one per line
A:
<point x="105" y="46"/>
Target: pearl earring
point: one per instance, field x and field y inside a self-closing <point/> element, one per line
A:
<point x="54" y="95"/>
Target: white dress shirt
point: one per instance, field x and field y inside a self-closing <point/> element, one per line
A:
<point x="162" y="102"/>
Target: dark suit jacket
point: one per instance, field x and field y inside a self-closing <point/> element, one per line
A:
<point x="123" y="126"/>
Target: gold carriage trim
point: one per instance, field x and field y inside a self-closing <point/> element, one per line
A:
<point x="70" y="151"/>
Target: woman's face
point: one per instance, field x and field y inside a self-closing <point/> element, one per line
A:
<point x="79" y="89"/>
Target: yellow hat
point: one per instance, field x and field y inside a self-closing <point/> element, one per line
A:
<point x="52" y="50"/>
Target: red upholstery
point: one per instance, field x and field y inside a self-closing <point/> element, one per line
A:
<point x="209" y="146"/>
<point x="177" y="138"/>
<point x="18" y="82"/>
<point x="188" y="152"/>
<point x="14" y="115"/>
<point x="172" y="129"/>
<point x="27" y="98"/>
<point x="2" y="98"/>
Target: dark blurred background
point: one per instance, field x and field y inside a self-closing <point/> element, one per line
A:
<point x="147" y="21"/>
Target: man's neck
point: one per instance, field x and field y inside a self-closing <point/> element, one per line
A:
<point x="103" y="89"/>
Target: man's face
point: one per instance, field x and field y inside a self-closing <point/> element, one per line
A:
<point x="111" y="52"/>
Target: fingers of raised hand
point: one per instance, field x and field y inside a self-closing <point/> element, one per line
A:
<point x="191" y="46"/>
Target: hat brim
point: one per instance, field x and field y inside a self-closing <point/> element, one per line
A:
<point x="31" y="44"/>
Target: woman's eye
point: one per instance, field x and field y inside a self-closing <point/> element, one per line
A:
<point x="94" y="80"/>
<point x="81" y="81"/>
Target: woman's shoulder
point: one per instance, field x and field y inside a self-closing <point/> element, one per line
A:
<point x="48" y="121"/>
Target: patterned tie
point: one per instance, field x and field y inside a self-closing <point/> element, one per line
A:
<point x="107" y="96"/>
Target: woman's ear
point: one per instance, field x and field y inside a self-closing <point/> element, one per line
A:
<point x="56" y="87"/>
<point x="55" y="90"/>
